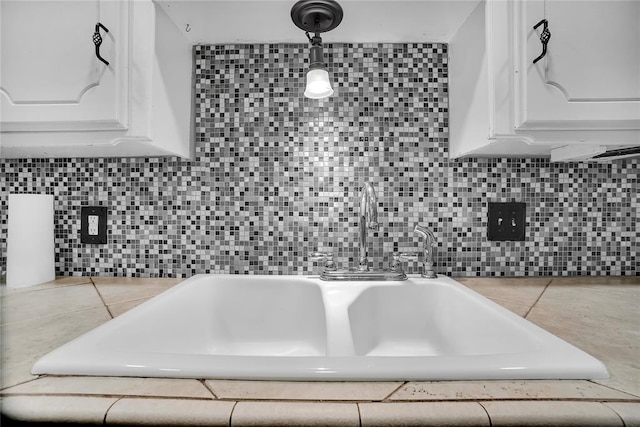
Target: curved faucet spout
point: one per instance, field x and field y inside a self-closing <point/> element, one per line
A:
<point x="369" y="206"/>
<point x="368" y="219"/>
<point x="430" y="238"/>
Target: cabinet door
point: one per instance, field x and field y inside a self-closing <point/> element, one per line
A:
<point x="590" y="76"/>
<point x="51" y="79"/>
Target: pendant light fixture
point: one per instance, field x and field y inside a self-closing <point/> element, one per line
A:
<point x="317" y="16"/>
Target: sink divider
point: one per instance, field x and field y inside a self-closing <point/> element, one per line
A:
<point x="337" y="299"/>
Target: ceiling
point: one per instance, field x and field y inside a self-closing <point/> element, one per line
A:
<point x="365" y="21"/>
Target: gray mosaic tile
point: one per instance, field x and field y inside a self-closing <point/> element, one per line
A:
<point x="276" y="177"/>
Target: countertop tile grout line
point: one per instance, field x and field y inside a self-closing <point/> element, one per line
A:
<point x="614" y="389"/>
<point x="359" y="415"/>
<point x="106" y="413"/>
<point x="538" y="299"/>
<point x="394" y="391"/>
<point x="5" y="292"/>
<point x="209" y="388"/>
<point x="305" y="400"/>
<point x="624" y="422"/>
<point x="486" y="412"/>
<point x="101" y="298"/>
<point x="133" y="300"/>
<point x="231" y="413"/>
<point x="62" y="313"/>
<point x="90" y="282"/>
<point x="20" y="383"/>
<point x="620" y="417"/>
<point x="350" y="402"/>
<point x="115" y="396"/>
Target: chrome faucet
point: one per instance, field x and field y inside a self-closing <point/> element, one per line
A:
<point x="430" y="244"/>
<point x="368" y="219"/>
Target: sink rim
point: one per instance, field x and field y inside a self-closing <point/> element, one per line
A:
<point x="83" y="355"/>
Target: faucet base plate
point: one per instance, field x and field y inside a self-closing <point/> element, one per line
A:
<point x="356" y="275"/>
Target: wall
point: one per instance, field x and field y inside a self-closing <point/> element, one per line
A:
<point x="276" y="177"/>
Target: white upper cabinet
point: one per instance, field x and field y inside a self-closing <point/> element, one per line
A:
<point x="59" y="99"/>
<point x="591" y="72"/>
<point x="51" y="78"/>
<point x="581" y="99"/>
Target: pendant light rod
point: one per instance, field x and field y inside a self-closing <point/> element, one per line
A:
<point x="316" y="55"/>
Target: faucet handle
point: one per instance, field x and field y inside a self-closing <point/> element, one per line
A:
<point x="398" y="257"/>
<point x="324" y="256"/>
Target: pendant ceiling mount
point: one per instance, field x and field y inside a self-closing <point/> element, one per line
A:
<point x="316" y="16"/>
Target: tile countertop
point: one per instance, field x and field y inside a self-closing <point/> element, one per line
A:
<point x="598" y="315"/>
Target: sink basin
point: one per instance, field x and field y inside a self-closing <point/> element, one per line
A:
<point x="435" y="320"/>
<point x="265" y="318"/>
<point x="239" y="317"/>
<point x="304" y="328"/>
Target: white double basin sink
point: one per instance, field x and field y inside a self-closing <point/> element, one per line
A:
<point x="302" y="328"/>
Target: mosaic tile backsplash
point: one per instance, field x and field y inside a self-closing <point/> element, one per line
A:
<point x="276" y="176"/>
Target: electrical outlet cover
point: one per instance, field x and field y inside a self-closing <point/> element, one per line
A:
<point x="90" y="232"/>
<point x="507" y="221"/>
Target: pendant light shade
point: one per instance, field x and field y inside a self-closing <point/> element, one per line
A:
<point x="318" y="84"/>
<point x="317" y="16"/>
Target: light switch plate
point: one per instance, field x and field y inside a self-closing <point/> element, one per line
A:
<point x="93" y="224"/>
<point x="507" y="221"/>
